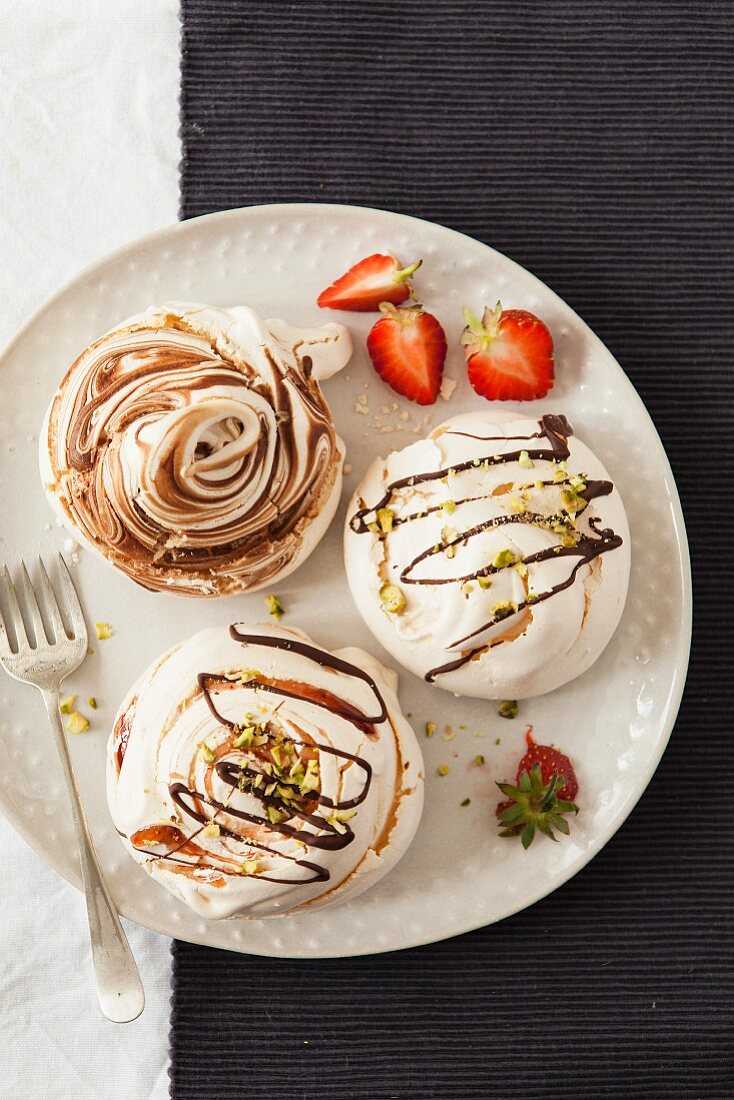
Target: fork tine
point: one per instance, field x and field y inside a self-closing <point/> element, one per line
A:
<point x="76" y="614"/>
<point x="5" y="649"/>
<point x="52" y="604"/>
<point x="17" y="618"/>
<point x="33" y="609"/>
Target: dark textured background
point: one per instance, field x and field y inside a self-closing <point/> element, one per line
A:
<point x="594" y="144"/>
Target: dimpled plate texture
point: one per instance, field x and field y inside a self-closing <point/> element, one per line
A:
<point x="614" y="721"/>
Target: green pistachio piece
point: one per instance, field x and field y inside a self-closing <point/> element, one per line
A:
<point x="67" y="705"/>
<point x="386" y="519"/>
<point x="275" y="607"/>
<point x="502" y="559"/>
<point x="393" y="599"/>
<point x="526" y="461"/>
<point x="508" y="709"/>
<point x="77" y="723"/>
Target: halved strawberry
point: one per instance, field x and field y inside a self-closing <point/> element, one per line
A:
<point x="545" y="792"/>
<point x="509" y="354"/>
<point x="408" y="349"/>
<point x="377" y="279"/>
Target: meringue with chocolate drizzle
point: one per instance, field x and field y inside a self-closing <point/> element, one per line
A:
<point x="491" y="558"/>
<point x="253" y="774"/>
<point x="192" y="447"/>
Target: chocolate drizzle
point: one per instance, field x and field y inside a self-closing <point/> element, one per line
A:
<point x="290" y="812"/>
<point x="586" y="547"/>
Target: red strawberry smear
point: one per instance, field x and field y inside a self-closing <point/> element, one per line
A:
<point x="408" y="349"/>
<point x="372" y="281"/>
<point x="509" y="354"/>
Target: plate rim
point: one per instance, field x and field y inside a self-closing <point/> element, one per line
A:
<point x="682" y="656"/>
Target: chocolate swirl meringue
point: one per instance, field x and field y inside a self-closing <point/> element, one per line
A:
<point x="253" y="773"/>
<point x="491" y="558"/>
<point x="193" y="448"/>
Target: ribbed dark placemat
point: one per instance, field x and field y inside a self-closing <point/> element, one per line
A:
<point x="594" y="144"/>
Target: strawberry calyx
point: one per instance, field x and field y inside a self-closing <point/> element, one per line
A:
<point x="533" y="805"/>
<point x="478" y="335"/>
<point x="403" y="274"/>
<point x="404" y="315"/>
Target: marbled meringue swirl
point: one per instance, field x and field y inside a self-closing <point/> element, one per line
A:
<point x="253" y="773"/>
<point x="192" y="447"/>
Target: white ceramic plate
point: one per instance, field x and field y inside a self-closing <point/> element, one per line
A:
<point x="614" y="721"/>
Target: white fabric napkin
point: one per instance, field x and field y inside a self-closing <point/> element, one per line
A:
<point x="89" y="156"/>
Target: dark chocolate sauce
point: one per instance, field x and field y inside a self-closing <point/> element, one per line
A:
<point x="556" y="430"/>
<point x="243" y="774"/>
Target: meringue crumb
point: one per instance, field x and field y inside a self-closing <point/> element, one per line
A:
<point x="448" y="385"/>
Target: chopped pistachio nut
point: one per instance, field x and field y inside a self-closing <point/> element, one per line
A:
<point x="393" y="599"/>
<point x="508" y="709"/>
<point x="275" y="816"/>
<point x="386" y="519"/>
<point x="498" y="741"/>
<point x="467" y="587"/>
<point x="449" y="506"/>
<point x="77" y="723"/>
<point x="504" y="610"/>
<point x="245" y="738"/>
<point x="448" y="534"/>
<point x="526" y="461"/>
<point x="503" y="558"/>
<point x="92" y="702"/>
<point x="531" y="597"/>
<point x="207" y="754"/>
<point x="479" y="760"/>
<point x="374" y="528"/>
<point x="250" y="867"/>
<point x="212" y="829"/>
<point x="577" y="483"/>
<point x="572" y="502"/>
<point x="521" y="568"/>
<point x="67" y="705"/>
<point x="430" y="729"/>
<point x="466" y="802"/>
<point x="517" y="505"/>
<point x="247" y="675"/>
<point x="485" y="582"/>
<point x="443" y="769"/>
<point x="275" y="607"/>
<point x="104" y="630"/>
<point x="560" y="474"/>
<point x="539" y="484"/>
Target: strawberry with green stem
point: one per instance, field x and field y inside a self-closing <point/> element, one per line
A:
<point x="373" y="280"/>
<point x="545" y="789"/>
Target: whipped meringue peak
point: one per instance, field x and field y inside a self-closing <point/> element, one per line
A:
<point x="192" y="447"/>
<point x="252" y="773"/>
<point x="491" y="558"/>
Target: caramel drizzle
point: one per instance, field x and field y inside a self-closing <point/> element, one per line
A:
<point x="191" y="801"/>
<point x="556" y="429"/>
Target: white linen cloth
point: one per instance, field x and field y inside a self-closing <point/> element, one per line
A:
<point x="89" y="155"/>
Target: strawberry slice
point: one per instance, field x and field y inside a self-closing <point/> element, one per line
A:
<point x="408" y="349"/>
<point x="546" y="787"/>
<point x="509" y="354"/>
<point x="371" y="281"/>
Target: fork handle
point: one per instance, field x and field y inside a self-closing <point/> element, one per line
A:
<point x="119" y="987"/>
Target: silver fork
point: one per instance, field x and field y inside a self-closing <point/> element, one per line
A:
<point x="45" y="665"/>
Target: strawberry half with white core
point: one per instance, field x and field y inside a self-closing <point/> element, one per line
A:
<point x="408" y="349"/>
<point x="374" y="280"/>
<point x="545" y="791"/>
<point x="509" y="354"/>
